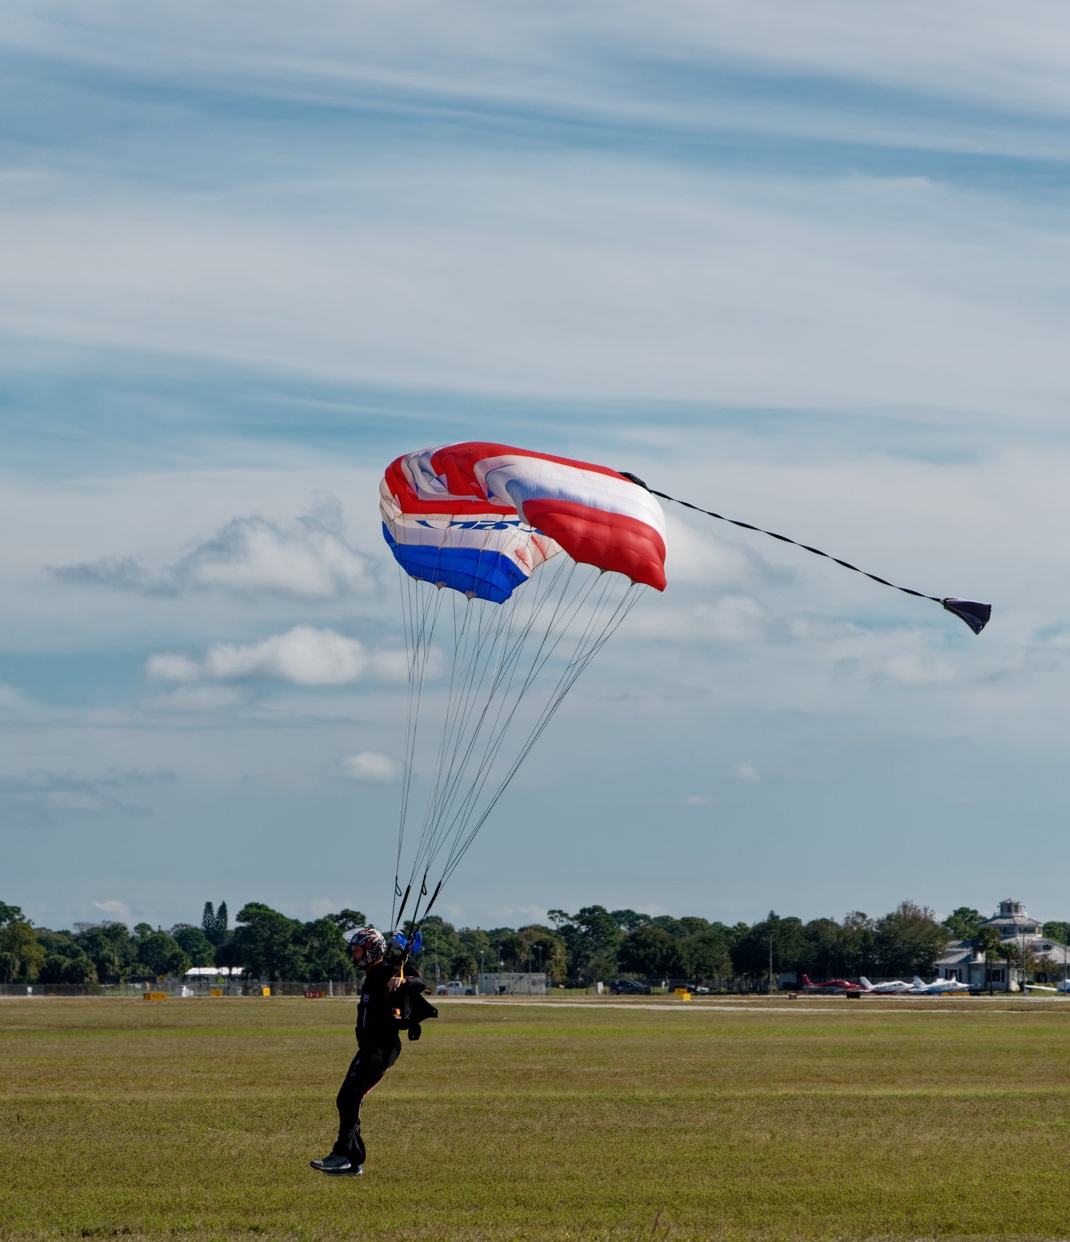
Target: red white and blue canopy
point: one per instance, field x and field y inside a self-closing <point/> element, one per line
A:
<point x="480" y="518"/>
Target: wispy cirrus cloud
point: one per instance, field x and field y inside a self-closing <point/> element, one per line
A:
<point x="41" y="795"/>
<point x="307" y="559"/>
<point x="486" y="59"/>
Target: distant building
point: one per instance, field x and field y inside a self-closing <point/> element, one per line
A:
<point x="513" y="983"/>
<point x="967" y="965"/>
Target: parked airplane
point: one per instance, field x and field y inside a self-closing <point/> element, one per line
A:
<point x="891" y="988"/>
<point x="938" y="987"/>
<point x="829" y="987"/>
<point x="1040" y="987"/>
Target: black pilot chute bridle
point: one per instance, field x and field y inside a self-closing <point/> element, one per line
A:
<point x="975" y="614"/>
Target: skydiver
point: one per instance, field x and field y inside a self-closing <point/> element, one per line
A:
<point x="390" y="1001"/>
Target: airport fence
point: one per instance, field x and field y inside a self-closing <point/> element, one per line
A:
<point x="183" y="988"/>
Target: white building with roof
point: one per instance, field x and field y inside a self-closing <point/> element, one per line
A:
<point x="969" y="965"/>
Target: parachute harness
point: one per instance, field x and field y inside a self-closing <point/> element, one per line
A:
<point x="975" y="614"/>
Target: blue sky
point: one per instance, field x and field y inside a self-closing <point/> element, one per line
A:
<point x="804" y="265"/>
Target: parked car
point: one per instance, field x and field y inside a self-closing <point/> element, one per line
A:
<point x="629" y="987"/>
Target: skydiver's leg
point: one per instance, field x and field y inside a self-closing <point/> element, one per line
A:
<point x="365" y="1072"/>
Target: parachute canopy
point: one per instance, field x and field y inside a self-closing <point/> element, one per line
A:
<point x="544" y="557"/>
<point x="480" y="518"/>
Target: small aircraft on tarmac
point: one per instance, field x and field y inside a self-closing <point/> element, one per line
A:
<point x="829" y="987"/>
<point x="938" y="987"/>
<point x="894" y="987"/>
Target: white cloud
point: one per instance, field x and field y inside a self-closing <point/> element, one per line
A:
<point x="172" y="666"/>
<point x="320" y="907"/>
<point x="369" y="765"/>
<point x="304" y="655"/>
<point x="519" y="916"/>
<point x="912" y="668"/>
<point x="698" y="558"/>
<point x="117" y="910"/>
<point x="307" y="559"/>
<point x="12" y="700"/>
<point x="199" y="699"/>
<point x="746" y="772"/>
<point x="733" y="619"/>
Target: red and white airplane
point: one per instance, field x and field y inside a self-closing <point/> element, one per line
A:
<point x="829" y="987"/>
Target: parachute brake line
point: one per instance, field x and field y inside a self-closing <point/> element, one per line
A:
<point x="404" y="903"/>
<point x="975" y="614"/>
<point x="417" y="924"/>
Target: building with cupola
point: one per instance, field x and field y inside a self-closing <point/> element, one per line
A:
<point x="1016" y="928"/>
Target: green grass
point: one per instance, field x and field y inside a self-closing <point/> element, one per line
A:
<point x="753" y="1120"/>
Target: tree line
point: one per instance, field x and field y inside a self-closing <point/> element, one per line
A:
<point x="577" y="949"/>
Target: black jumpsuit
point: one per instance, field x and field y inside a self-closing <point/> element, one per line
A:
<point x="378" y="1047"/>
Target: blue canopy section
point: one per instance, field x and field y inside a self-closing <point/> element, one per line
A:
<point x="484" y="574"/>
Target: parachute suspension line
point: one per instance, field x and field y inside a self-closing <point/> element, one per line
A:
<point x="975" y="614"/>
<point x="499" y="730"/>
<point x="473" y="638"/>
<point x="586" y="651"/>
<point x="604" y="615"/>
<point x="489" y="732"/>
<point x="420" y="611"/>
<point x="427" y="909"/>
<point x="489" y="642"/>
<point x="583" y="649"/>
<point x="464" y="643"/>
<point x="415" y="627"/>
<point x="461" y="675"/>
<point x="499" y="692"/>
<point x="415" y="920"/>
<point x="407" y="611"/>
<point x="493" y="668"/>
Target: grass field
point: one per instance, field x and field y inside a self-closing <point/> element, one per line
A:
<point x="762" y="1120"/>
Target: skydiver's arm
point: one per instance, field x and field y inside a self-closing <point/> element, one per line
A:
<point x="410" y="981"/>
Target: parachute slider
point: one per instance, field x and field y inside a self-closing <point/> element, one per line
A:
<point x="975" y="614"/>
